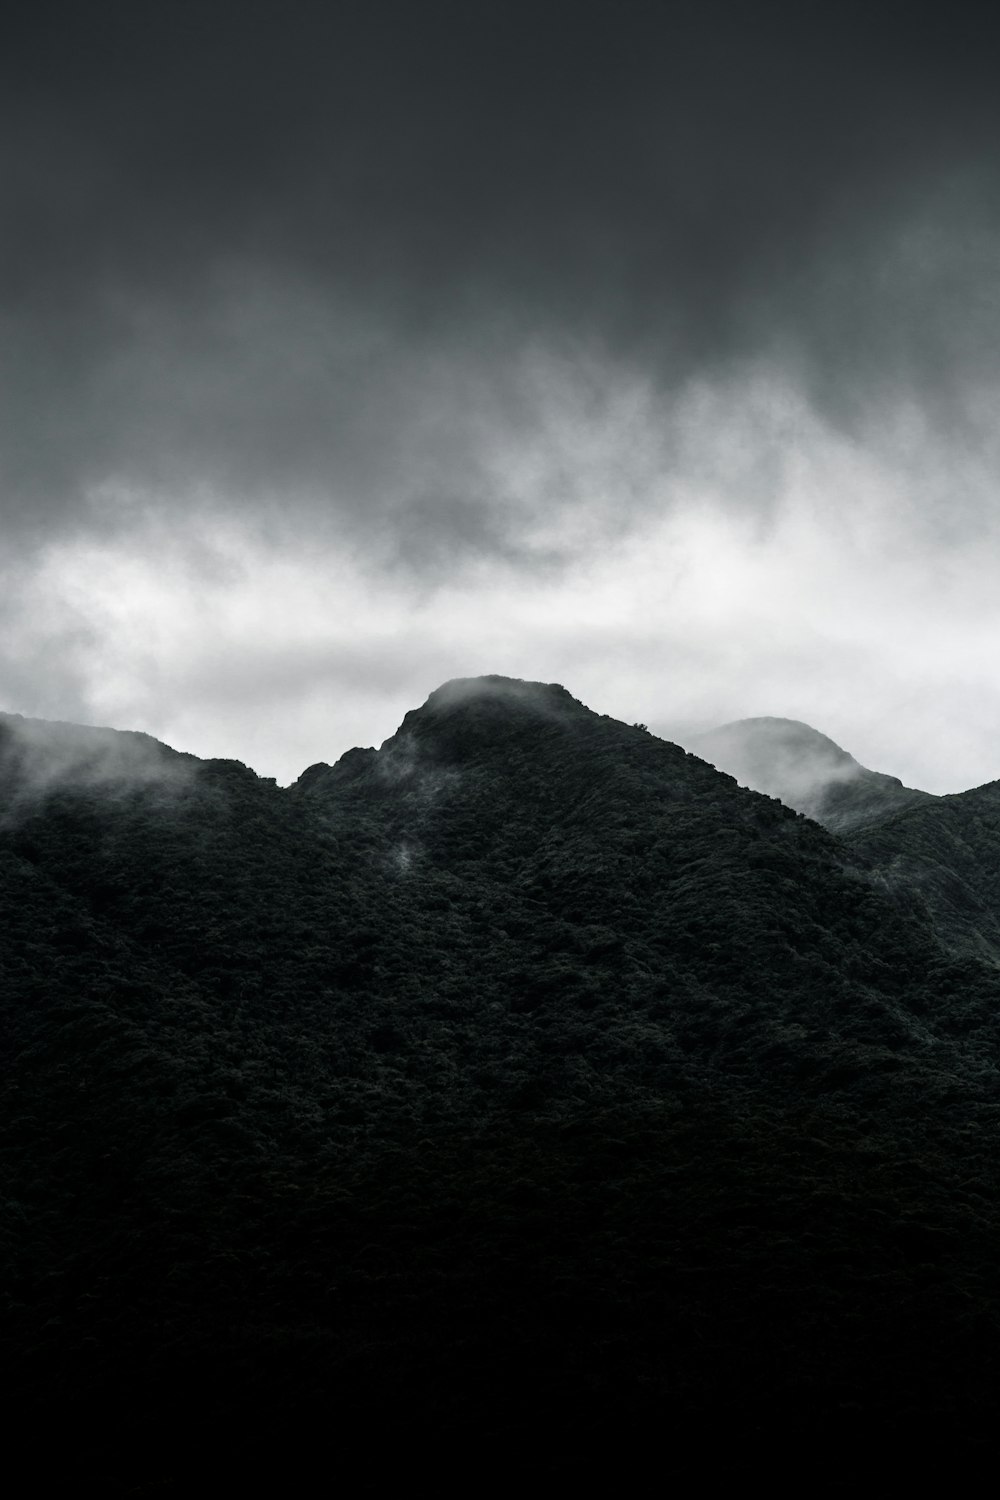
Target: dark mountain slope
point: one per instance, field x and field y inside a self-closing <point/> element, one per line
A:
<point x="524" y="1094"/>
<point x="937" y="856"/>
<point x="943" y="862"/>
<point x="804" y="769"/>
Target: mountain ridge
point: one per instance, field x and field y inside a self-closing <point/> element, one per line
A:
<point x="525" y="1086"/>
<point x="804" y="769"/>
<point x="500" y="691"/>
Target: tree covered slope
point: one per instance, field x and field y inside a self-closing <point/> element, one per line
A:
<point x="943" y="861"/>
<point x="523" y="1096"/>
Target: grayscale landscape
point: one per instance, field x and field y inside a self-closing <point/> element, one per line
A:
<point x="499" y="801"/>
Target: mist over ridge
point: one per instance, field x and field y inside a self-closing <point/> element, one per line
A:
<point x="805" y="769"/>
<point x="41" y="756"/>
<point x="780" y="757"/>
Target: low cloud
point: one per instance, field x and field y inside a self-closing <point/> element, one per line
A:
<point x="39" y="758"/>
<point x="847" y="598"/>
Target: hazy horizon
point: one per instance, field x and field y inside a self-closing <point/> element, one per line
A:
<point x="650" y="350"/>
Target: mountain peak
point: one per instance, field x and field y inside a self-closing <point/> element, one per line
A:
<point x="468" y="709"/>
<point x="511" y="691"/>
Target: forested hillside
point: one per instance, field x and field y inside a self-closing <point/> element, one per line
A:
<point x="943" y="861"/>
<point x="523" y="1098"/>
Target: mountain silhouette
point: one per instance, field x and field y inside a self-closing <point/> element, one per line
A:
<point x="521" y="1095"/>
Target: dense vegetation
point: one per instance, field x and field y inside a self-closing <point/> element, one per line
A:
<point x="943" y="862"/>
<point x="524" y="1098"/>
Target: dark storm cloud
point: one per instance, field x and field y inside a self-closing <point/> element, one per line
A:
<point x="289" y="254"/>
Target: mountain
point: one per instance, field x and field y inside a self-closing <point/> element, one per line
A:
<point x="523" y="1096"/>
<point x="937" y="856"/>
<point x="943" y="861"/>
<point x="795" y="763"/>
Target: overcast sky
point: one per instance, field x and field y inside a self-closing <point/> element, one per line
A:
<point x="653" y="349"/>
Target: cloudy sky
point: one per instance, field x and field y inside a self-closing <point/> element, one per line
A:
<point x="653" y="349"/>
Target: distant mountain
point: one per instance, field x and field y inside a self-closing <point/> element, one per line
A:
<point x="807" y="771"/>
<point x="522" y="1096"/>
